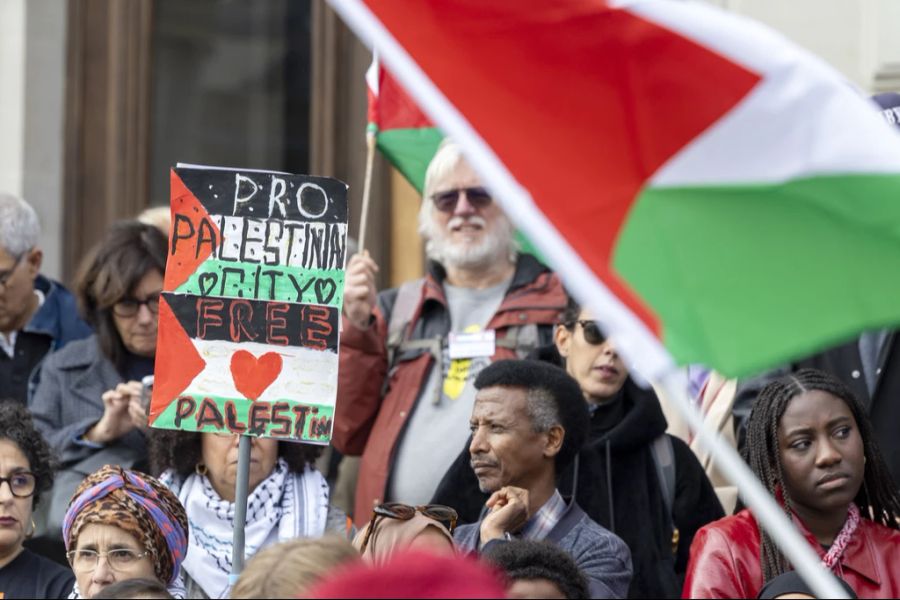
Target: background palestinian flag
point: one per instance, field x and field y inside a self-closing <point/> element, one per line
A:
<point x="694" y="177"/>
<point x="403" y="134"/>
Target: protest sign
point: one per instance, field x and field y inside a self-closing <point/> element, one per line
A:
<point x="249" y="319"/>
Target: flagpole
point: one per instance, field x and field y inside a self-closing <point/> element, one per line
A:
<point x="367" y="186"/>
<point x="240" y="509"/>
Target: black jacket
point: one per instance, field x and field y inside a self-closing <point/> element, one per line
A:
<point x="845" y="363"/>
<point x="627" y="427"/>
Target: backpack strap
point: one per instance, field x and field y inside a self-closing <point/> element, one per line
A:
<point x="664" y="460"/>
<point x="408" y="296"/>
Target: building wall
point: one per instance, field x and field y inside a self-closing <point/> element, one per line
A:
<point x="858" y="37"/>
<point x="32" y="69"/>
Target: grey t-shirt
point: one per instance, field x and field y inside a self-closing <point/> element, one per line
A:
<point x="438" y="427"/>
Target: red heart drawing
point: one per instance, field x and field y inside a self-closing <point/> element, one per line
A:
<point x="253" y="375"/>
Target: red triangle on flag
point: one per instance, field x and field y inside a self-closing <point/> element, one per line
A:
<point x="183" y="261"/>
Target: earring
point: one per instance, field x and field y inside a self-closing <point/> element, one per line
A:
<point x="30" y="534"/>
<point x="201" y="470"/>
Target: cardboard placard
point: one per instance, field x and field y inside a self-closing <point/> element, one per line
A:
<point x="250" y="315"/>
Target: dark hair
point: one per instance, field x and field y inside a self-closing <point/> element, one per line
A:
<point x="551" y="391"/>
<point x="111" y="271"/>
<point x="571" y="312"/>
<point x="763" y="455"/>
<point x="17" y="426"/>
<point x="134" y="588"/>
<point x="532" y="559"/>
<point x="182" y="451"/>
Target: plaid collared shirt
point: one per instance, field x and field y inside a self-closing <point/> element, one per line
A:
<point x="545" y="519"/>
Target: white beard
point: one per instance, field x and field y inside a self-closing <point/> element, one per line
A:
<point x="494" y="246"/>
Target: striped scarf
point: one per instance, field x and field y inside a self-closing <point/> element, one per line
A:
<point x="285" y="505"/>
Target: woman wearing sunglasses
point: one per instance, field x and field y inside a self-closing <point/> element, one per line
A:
<point x="395" y="526"/>
<point x="623" y="471"/>
<point x="25" y="473"/>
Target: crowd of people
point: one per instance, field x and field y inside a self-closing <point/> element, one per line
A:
<point x="506" y="450"/>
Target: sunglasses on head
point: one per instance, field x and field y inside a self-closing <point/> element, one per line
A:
<point x="446" y="201"/>
<point x="592" y="333"/>
<point x="404" y="512"/>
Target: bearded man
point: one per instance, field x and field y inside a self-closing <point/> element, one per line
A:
<point x="410" y="355"/>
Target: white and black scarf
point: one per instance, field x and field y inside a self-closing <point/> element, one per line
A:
<point x="283" y="506"/>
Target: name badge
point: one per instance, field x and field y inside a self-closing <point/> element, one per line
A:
<point x="470" y="345"/>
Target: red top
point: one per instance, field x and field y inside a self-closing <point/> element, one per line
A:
<point x="725" y="560"/>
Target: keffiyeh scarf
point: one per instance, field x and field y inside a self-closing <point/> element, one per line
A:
<point x="283" y="506"/>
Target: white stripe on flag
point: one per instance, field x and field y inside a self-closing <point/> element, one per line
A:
<point x="306" y="375"/>
<point x="803" y="119"/>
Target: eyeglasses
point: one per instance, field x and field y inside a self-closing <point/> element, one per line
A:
<point x="128" y="307"/>
<point x="592" y="333"/>
<point x="118" y="559"/>
<point x="21" y="484"/>
<point x="404" y="512"/>
<point x="5" y="275"/>
<point x="446" y="201"/>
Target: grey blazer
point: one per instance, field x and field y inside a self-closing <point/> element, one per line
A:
<point x="68" y="401"/>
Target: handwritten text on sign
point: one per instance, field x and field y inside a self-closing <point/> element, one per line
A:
<point x="248" y="334"/>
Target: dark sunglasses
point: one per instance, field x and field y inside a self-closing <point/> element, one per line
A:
<point x="404" y="512"/>
<point x="592" y="333"/>
<point x="446" y="201"/>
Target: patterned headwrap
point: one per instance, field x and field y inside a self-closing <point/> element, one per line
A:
<point x="135" y="503"/>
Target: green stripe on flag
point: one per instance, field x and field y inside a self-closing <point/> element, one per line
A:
<point x="311" y="421"/>
<point x="410" y="151"/>
<point x="266" y="282"/>
<point x="768" y="253"/>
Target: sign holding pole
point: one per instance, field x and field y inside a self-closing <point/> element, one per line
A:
<point x="241" y="493"/>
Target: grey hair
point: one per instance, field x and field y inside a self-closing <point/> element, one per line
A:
<point x="447" y="158"/>
<point x="19" y="227"/>
<point x="543" y="409"/>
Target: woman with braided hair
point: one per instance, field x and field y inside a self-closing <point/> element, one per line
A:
<point x="810" y="442"/>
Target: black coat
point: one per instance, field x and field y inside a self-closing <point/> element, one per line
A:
<point x="627" y="426"/>
<point x="845" y="363"/>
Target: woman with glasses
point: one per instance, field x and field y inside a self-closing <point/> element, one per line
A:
<point x="288" y="498"/>
<point x="26" y="472"/>
<point x="88" y="403"/>
<point x="122" y="525"/>
<point x="395" y="526"/>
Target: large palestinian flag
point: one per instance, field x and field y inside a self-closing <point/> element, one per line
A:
<point x="711" y="190"/>
<point x="249" y="322"/>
